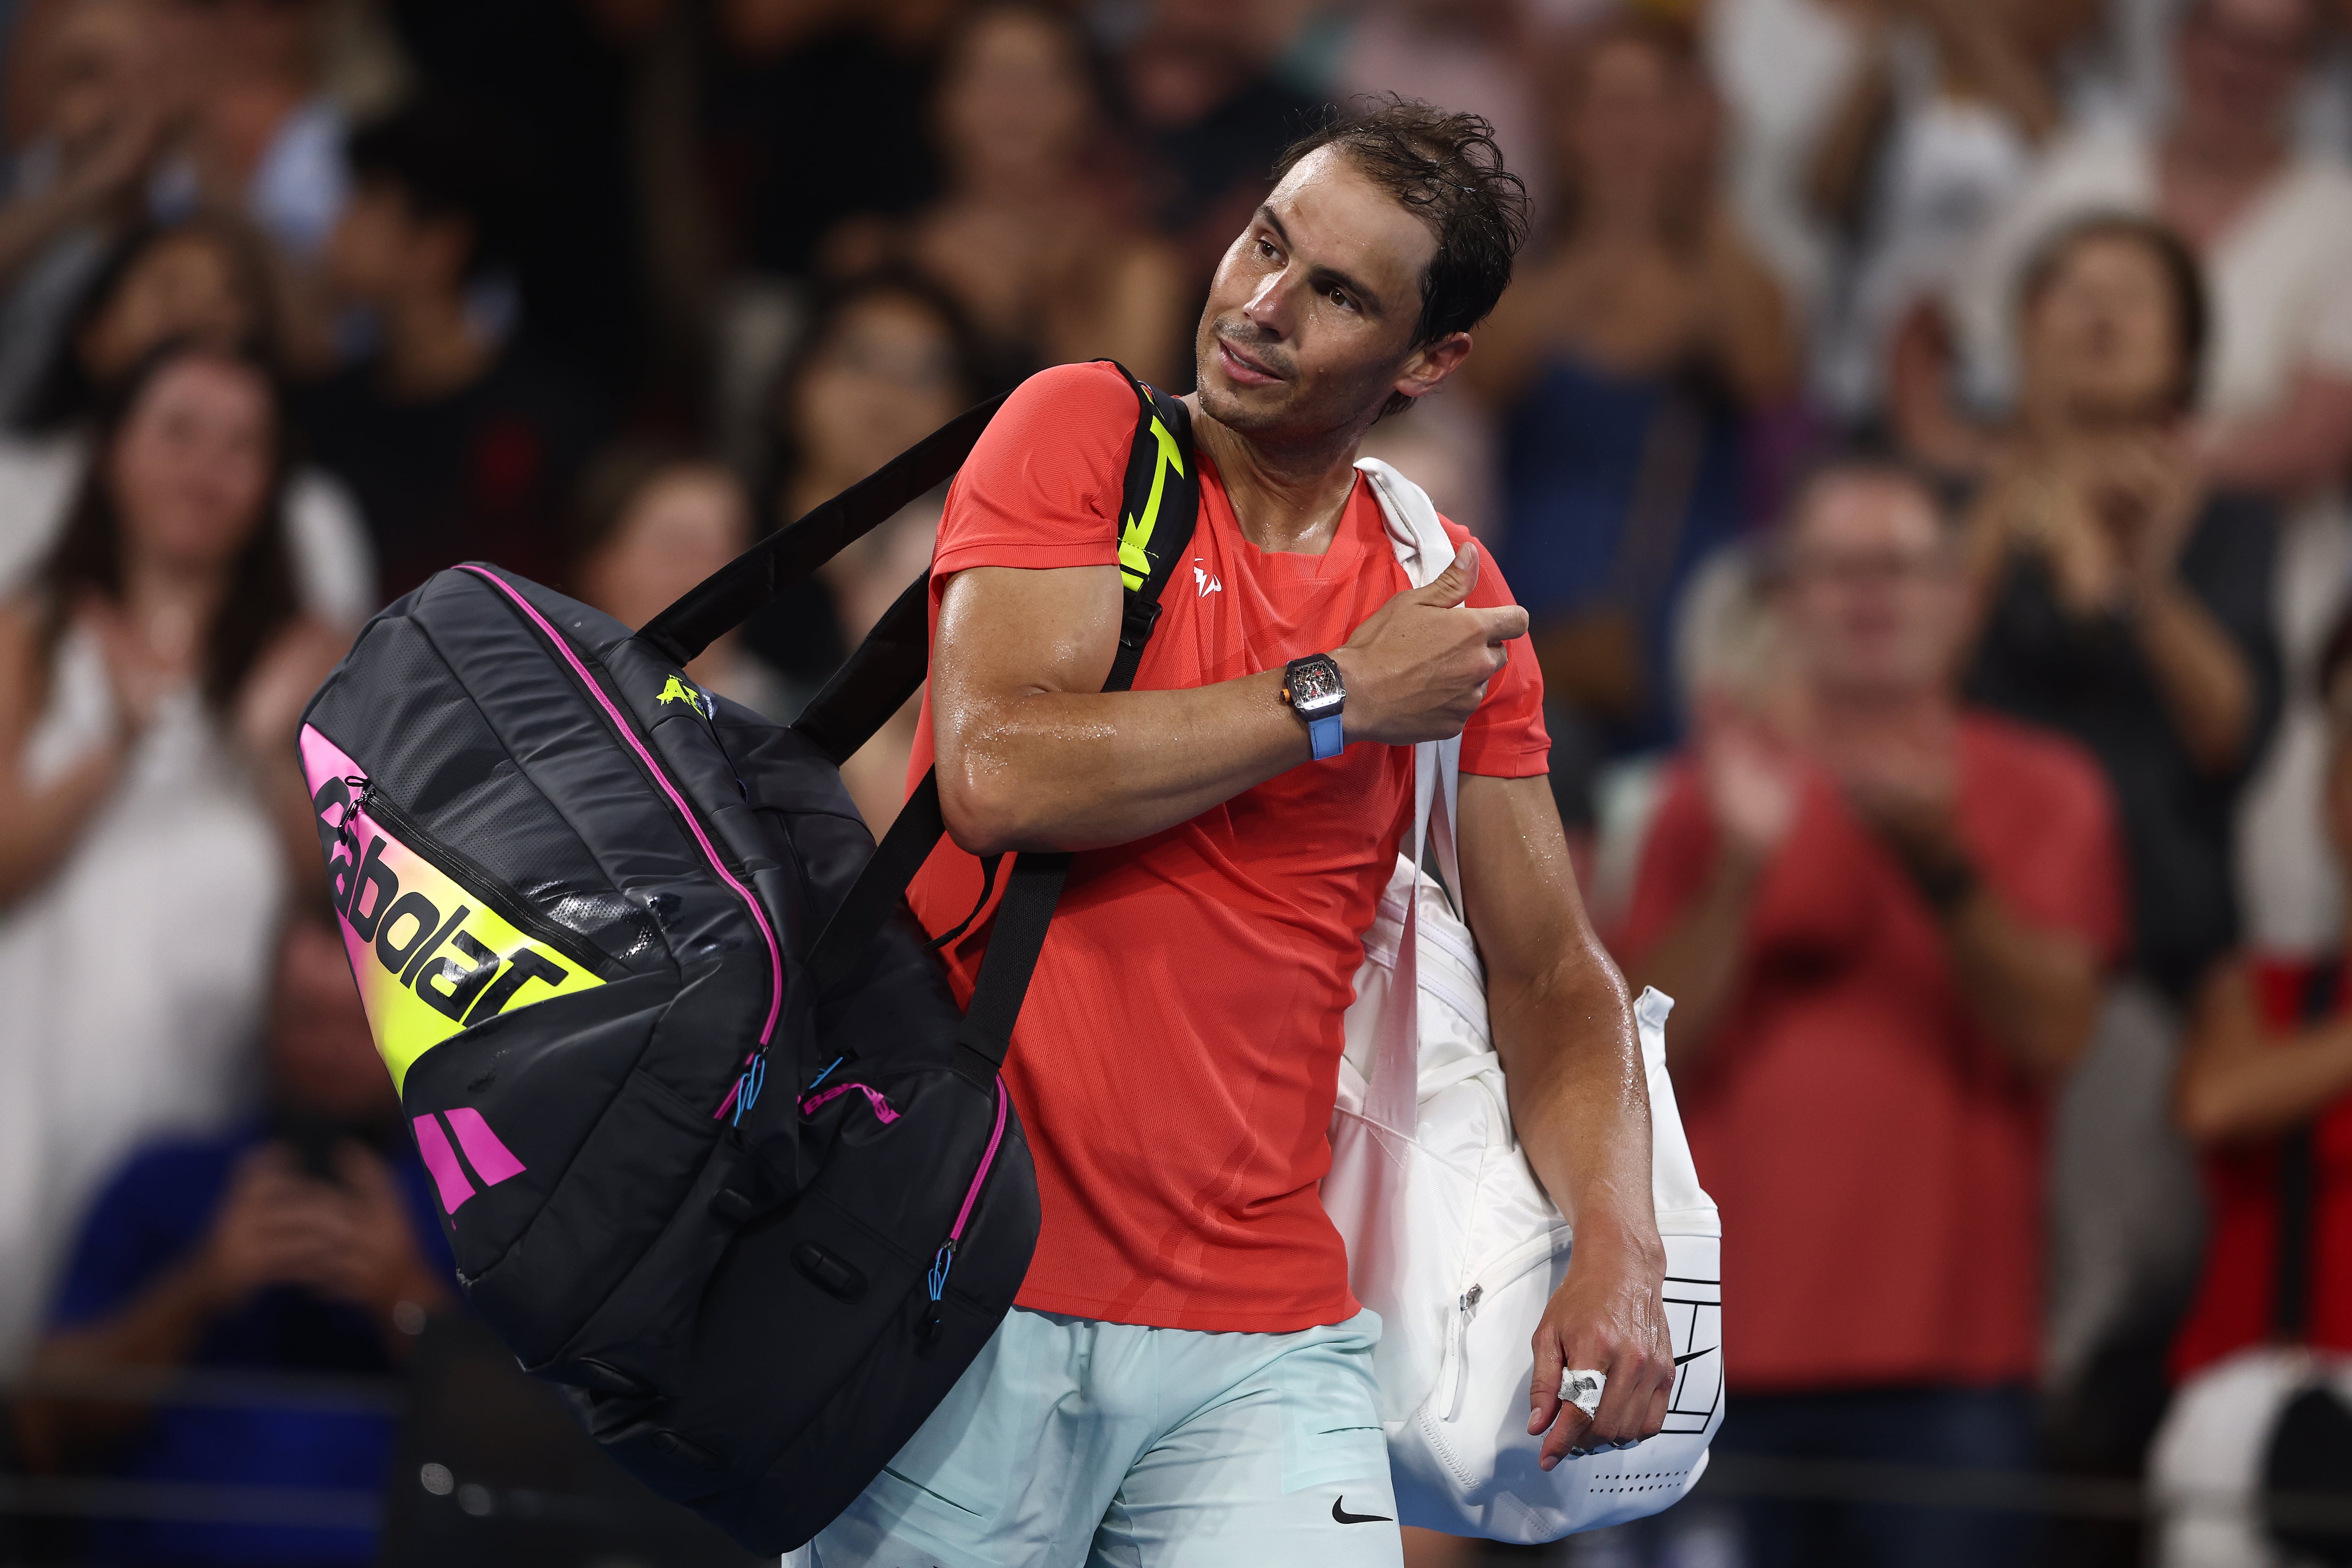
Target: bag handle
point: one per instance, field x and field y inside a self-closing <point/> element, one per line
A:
<point x="1159" y="505"/>
<point x="1425" y="550"/>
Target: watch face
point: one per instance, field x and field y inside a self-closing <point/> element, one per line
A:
<point x="1315" y="685"/>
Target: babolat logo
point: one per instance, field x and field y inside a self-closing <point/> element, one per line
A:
<point x="679" y="691"/>
<point x="429" y="958"/>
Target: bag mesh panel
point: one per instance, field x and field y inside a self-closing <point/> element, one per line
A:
<point x="437" y="758"/>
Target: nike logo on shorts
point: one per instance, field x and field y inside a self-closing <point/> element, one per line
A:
<point x="1340" y="1514"/>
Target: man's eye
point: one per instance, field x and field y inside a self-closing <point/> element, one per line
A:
<point x="1339" y="296"/>
<point x="1265" y="248"/>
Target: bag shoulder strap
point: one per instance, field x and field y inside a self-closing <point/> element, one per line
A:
<point x="725" y="599"/>
<point x="2297" y="1187"/>
<point x="1159" y="508"/>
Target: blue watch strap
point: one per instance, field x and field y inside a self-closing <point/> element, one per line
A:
<point x="1324" y="734"/>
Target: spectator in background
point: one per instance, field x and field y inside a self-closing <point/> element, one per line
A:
<point x="149" y="684"/>
<point x="306" y="1241"/>
<point x="1938" y="129"/>
<point x="2266" y="1089"/>
<point x="794" y="74"/>
<point x="2273" y="228"/>
<point x="1477" y="56"/>
<point x="1886" y="932"/>
<point x="459" y="446"/>
<point x="263" y="139"/>
<point x="1213" y="118"/>
<point x="2127" y="603"/>
<point x="1028" y="235"/>
<point x="653" y="521"/>
<point x="1622" y="365"/>
<point x="887" y="359"/>
<point x="83" y="181"/>
<point x="199" y="279"/>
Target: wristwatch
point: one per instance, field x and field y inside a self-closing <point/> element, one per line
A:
<point x="1316" y="693"/>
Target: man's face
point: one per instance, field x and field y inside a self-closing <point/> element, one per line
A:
<point x="322" y="1059"/>
<point x="1873" y="599"/>
<point x="1310" y="318"/>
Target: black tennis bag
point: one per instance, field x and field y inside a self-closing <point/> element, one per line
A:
<point x="716" y="1149"/>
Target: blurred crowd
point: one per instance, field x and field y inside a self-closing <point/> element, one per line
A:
<point x="1920" y="433"/>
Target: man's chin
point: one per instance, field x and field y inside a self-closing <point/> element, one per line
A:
<point x="1240" y="407"/>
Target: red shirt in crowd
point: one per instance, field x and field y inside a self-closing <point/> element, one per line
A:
<point x="1878" y="1157"/>
<point x="2235" y="1301"/>
<point x="1178" y="1050"/>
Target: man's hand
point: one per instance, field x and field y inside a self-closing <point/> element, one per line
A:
<point x="1608" y="1315"/>
<point x="372" y="1259"/>
<point x="274" y="1228"/>
<point x="1418" y="666"/>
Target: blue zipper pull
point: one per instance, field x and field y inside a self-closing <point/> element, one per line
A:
<point x="747" y="1088"/>
<point x="823" y="1076"/>
<point x="941" y="1261"/>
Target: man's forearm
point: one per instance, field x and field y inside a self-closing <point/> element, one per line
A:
<point x="1060" y="770"/>
<point x="1697" y="961"/>
<point x="1580" y="1098"/>
<point x="2036" y="991"/>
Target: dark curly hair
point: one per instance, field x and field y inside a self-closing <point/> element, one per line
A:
<point x="1446" y="169"/>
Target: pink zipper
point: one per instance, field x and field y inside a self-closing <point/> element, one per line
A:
<point x="972" y="1194"/>
<point x="775" y="958"/>
<point x="882" y="1111"/>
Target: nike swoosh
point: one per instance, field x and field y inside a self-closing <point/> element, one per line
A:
<point x="1339" y="1515"/>
<point x="1694" y="1355"/>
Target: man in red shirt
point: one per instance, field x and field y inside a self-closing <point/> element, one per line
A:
<point x="1186" y="1378"/>
<point x="1886" y="932"/>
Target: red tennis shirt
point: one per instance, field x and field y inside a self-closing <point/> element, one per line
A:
<point x="1178" y="1050"/>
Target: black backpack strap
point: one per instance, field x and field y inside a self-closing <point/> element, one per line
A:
<point x="2297" y="1189"/>
<point x="1158" y="506"/>
<point x="725" y="599"/>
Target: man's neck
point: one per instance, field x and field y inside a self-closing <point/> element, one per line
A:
<point x="432" y="350"/>
<point x="1845" y="716"/>
<point x="1288" y="499"/>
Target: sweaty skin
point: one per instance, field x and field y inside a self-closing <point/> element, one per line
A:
<point x="1310" y="330"/>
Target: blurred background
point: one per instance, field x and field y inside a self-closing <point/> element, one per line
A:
<point x="1919" y="431"/>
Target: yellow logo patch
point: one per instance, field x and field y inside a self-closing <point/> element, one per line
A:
<point x="679" y="691"/>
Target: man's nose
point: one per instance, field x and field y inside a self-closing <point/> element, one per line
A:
<point x="1269" y="308"/>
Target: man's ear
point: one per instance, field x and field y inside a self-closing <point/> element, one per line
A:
<point x="1427" y="366"/>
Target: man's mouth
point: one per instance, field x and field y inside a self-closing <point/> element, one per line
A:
<point x="1244" y="369"/>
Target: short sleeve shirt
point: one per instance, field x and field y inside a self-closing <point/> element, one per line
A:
<point x="1178" y="1051"/>
<point x="1878" y="1157"/>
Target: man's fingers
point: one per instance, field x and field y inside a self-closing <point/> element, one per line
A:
<point x="1454" y="585"/>
<point x="1502" y="623"/>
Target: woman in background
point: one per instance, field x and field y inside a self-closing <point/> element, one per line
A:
<point x="150" y="805"/>
<point x="2128" y="605"/>
<point x="651" y="523"/>
<point x="1030" y="236"/>
<point x="2266" y="1354"/>
<point x="887" y="359"/>
<point x="203" y="279"/>
<point x="1622" y="365"/>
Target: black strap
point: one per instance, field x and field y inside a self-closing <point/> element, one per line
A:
<point x="725" y="599"/>
<point x="875" y="679"/>
<point x="1159" y="503"/>
<point x="2297" y="1189"/>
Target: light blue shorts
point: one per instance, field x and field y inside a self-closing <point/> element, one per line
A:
<point x="1082" y="1443"/>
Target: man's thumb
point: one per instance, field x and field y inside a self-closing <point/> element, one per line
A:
<point x="1454" y="585"/>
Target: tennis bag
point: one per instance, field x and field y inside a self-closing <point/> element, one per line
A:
<point x="716" y="1149"/>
